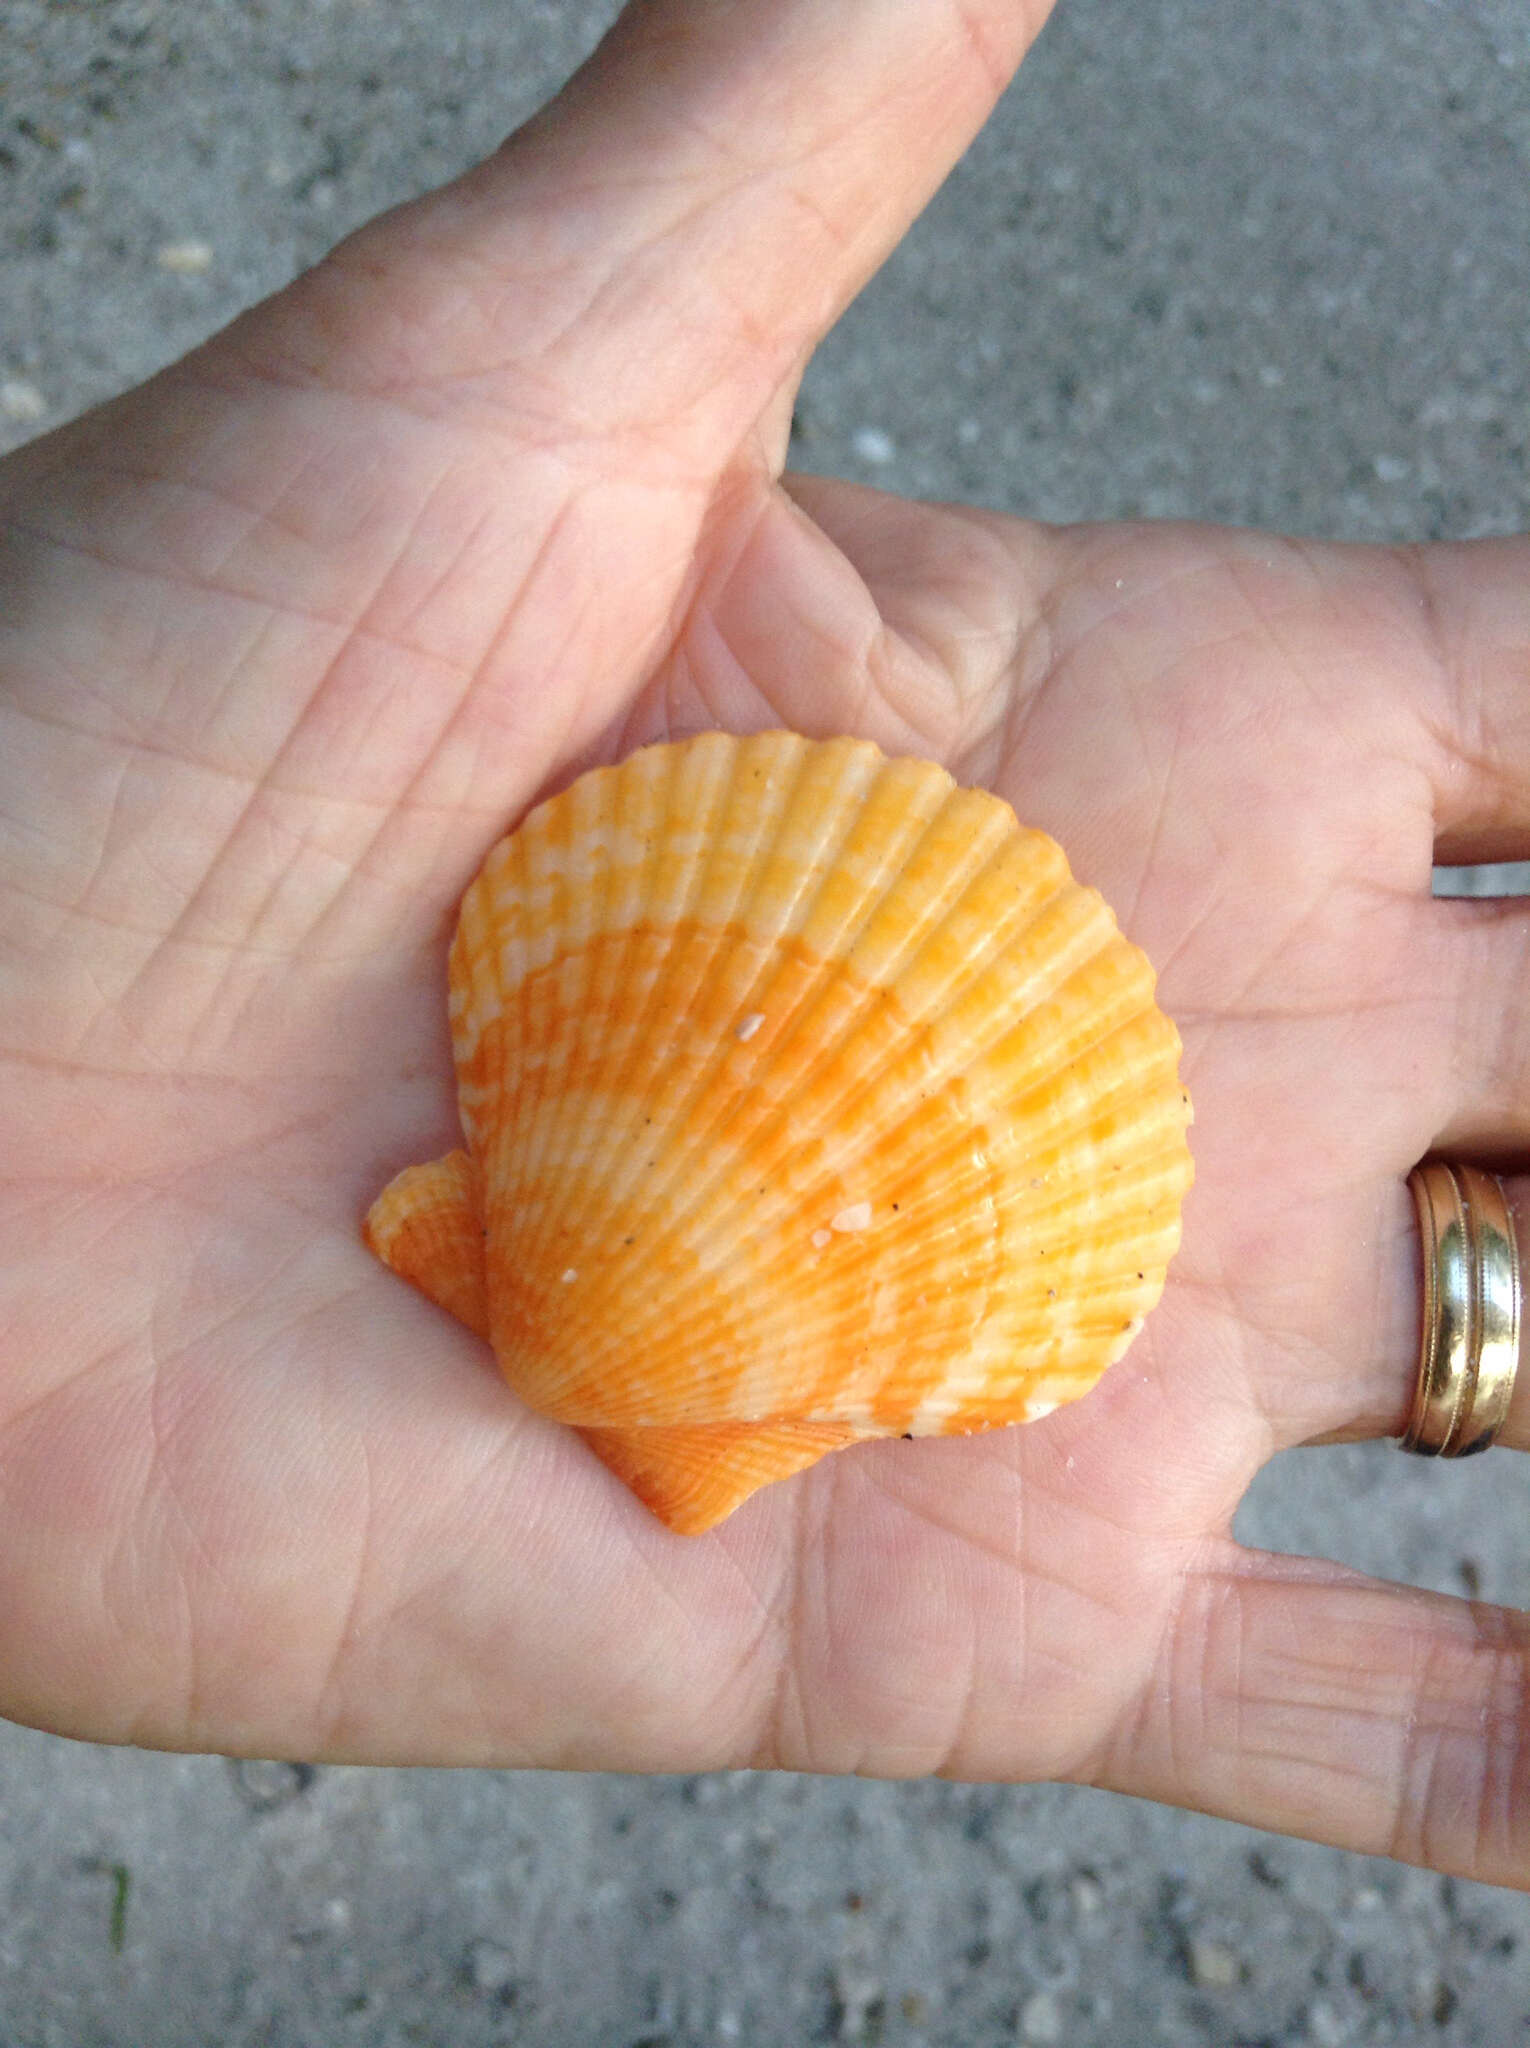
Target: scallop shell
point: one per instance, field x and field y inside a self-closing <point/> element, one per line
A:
<point x="807" y="1098"/>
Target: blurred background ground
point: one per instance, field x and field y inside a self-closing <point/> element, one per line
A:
<point x="1268" y="264"/>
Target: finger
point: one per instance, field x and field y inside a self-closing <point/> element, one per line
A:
<point x="849" y="610"/>
<point x="1297" y="1697"/>
<point x="692" y="212"/>
<point x="1361" y="1387"/>
<point x="1475" y="961"/>
<point x="1473" y="607"/>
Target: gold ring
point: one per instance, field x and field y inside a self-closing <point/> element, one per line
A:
<point x="1469" y="1350"/>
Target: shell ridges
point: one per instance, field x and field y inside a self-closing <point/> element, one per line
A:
<point x="807" y="1098"/>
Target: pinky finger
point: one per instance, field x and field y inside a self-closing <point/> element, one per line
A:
<point x="1299" y="1697"/>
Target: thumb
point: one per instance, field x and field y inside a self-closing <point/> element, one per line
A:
<point x="666" y="241"/>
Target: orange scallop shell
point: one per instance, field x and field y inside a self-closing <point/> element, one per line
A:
<point x="806" y="1098"/>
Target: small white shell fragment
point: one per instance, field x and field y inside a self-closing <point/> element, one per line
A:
<point x="20" y="400"/>
<point x="748" y="1026"/>
<point x="821" y="1238"/>
<point x="187" y="259"/>
<point x="570" y="1274"/>
<point x="856" y="1217"/>
<point x="873" y="446"/>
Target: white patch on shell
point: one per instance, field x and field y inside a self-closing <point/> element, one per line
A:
<point x="856" y="1217"/>
<point x="1039" y="1406"/>
<point x="821" y="1238"/>
<point x="746" y="1027"/>
<point x="928" y="1418"/>
<point x="570" y="1274"/>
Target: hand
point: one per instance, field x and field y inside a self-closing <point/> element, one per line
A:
<point x="291" y="635"/>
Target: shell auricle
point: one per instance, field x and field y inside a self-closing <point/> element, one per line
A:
<point x="806" y="1098"/>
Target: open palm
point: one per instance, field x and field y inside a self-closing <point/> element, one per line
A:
<point x="290" y="636"/>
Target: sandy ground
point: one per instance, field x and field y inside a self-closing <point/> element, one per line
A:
<point x="1267" y="264"/>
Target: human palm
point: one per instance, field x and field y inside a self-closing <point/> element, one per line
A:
<point x="290" y="636"/>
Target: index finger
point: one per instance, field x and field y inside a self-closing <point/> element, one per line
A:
<point x="1294" y="1695"/>
<point x="694" y="210"/>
